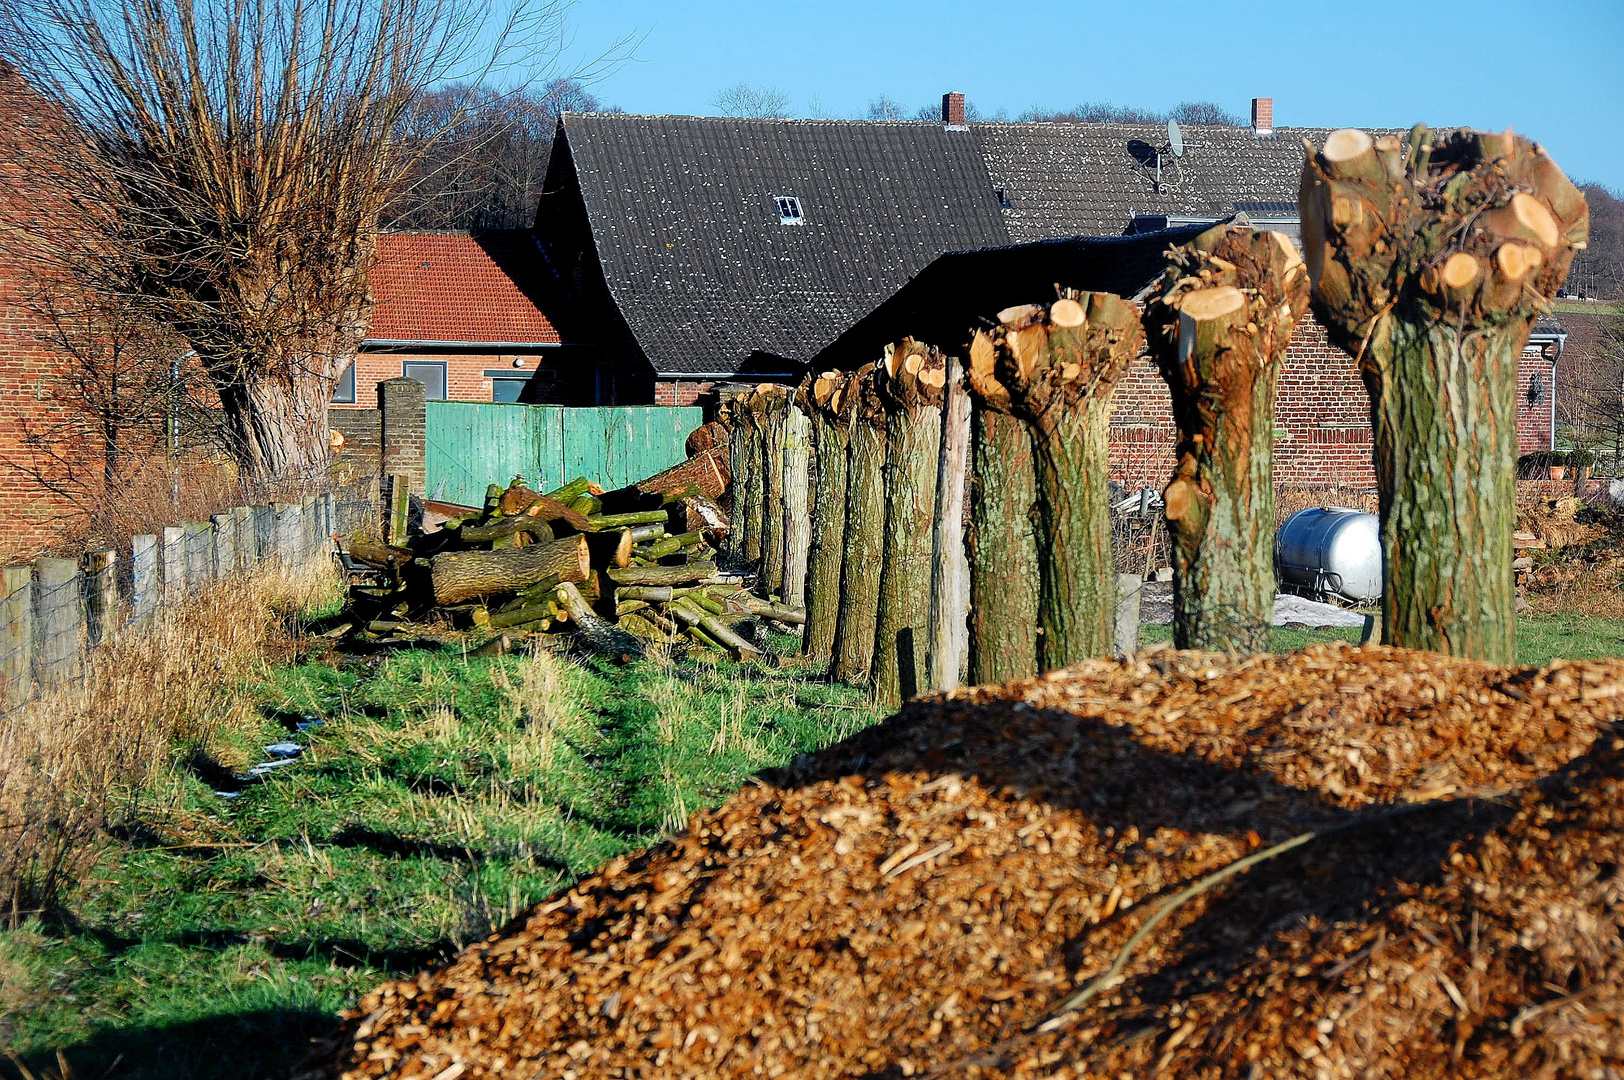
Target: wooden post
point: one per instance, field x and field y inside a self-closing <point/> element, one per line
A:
<point x="400" y="505"/>
<point x="101" y="596"/>
<point x="829" y="401"/>
<point x="17" y="634"/>
<point x="225" y="546"/>
<point x="1130" y="593"/>
<point x="146" y="581"/>
<point x="774" y="412"/>
<point x="199" y="555"/>
<point x="174" y="561"/>
<point x="797" y="505"/>
<point x="242" y="521"/>
<point x="858" y="618"/>
<point x="950" y="571"/>
<point x="60" y="612"/>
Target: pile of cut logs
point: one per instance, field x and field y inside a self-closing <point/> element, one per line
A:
<point x="620" y="570"/>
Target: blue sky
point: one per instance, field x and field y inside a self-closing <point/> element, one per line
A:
<point x="1552" y="71"/>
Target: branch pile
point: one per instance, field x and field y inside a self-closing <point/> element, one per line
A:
<point x="926" y="897"/>
<point x="620" y="570"/>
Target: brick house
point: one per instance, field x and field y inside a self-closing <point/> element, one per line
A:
<point x="463" y="314"/>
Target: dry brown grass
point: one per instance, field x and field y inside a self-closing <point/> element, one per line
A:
<point x="1290" y="498"/>
<point x="69" y="756"/>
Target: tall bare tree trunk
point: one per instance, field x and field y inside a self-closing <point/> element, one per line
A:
<point x="911" y="381"/>
<point x="831" y="403"/>
<point x="752" y="490"/>
<point x="950" y="573"/>
<point x="731" y="415"/>
<point x="774" y="404"/>
<point x="865" y="531"/>
<point x="1218" y="324"/>
<point x="1060" y="366"/>
<point x="276" y="415"/>
<point x="1005" y="582"/>
<point x="797" y="503"/>
<point x="1429" y="263"/>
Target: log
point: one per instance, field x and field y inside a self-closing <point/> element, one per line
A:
<point x="776" y="612"/>
<point x="610" y="548"/>
<point x="605" y="522"/>
<point x="596" y="633"/>
<point x="747" y="518"/>
<point x="464" y="575"/>
<point x="571" y="491"/>
<point x="797" y="504"/>
<point x="830" y="401"/>
<point x="384" y="556"/>
<point x="858" y="616"/>
<point x="949" y="579"/>
<point x="1407" y="255"/>
<point x="1218" y="323"/>
<point x="662" y="575"/>
<point x="1004" y="578"/>
<point x="910" y="382"/>
<point x="775" y="409"/>
<point x="717" y="630"/>
<point x="1060" y="366"/>
<point x="536" y="529"/>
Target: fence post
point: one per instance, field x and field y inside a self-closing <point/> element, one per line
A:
<point x="310" y="519"/>
<point x="17" y="633"/>
<point x="61" y="617"/>
<point x="400" y="506"/>
<point x="199" y="555"/>
<point x="1130" y="592"/>
<point x="264" y="530"/>
<point x="144" y="578"/>
<point x="101" y="596"/>
<point x="225" y="546"/>
<point x="174" y="540"/>
<point x="242" y="521"/>
<point x="329" y="527"/>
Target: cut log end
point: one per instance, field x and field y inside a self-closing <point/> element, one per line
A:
<point x="1068" y="313"/>
<point x="1533" y="216"/>
<point x="1204" y="305"/>
<point x="1516" y="261"/>
<point x="1459" y="271"/>
<point x="1347" y="144"/>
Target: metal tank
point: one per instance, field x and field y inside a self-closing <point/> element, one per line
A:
<point x="1331" y="551"/>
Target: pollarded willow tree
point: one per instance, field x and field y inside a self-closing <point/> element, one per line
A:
<point x="1218" y="323"/>
<point x="1430" y="258"/>
<point x="233" y="163"/>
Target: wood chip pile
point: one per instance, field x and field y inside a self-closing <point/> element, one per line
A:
<point x="920" y="898"/>
<point x="619" y="569"/>
<point x="1570" y="556"/>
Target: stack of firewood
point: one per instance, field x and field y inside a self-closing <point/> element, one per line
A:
<point x="619" y="570"/>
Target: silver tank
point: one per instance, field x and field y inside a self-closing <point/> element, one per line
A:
<point x="1331" y="550"/>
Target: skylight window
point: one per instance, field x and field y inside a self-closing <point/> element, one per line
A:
<point x="789" y="210"/>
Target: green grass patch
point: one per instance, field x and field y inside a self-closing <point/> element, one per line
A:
<point x="1540" y="638"/>
<point x="440" y="797"/>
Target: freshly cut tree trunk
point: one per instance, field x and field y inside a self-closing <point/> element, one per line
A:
<point x="1429" y="261"/>
<point x="1218" y="325"/>
<point x="950" y="572"/>
<point x="865" y="532"/>
<point x="661" y="575"/>
<point x="911" y="383"/>
<point x="831" y="406"/>
<point x="732" y="548"/>
<point x="1060" y="366"/>
<point x="774" y="402"/>
<point x="1005" y="582"/>
<point x="747" y="517"/>
<point x="797" y="504"/>
<point x="463" y="575"/>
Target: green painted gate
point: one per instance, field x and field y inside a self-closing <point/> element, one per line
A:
<point x="472" y="444"/>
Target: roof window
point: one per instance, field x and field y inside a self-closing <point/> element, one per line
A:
<point x="1003" y="198"/>
<point x="789" y="210"/>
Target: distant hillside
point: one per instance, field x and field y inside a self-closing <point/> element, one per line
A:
<point x="1599" y="269"/>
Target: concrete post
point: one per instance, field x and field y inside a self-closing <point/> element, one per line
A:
<point x="264" y="530"/>
<point x="60" y="615"/>
<point x="174" y="558"/>
<point x="199" y="555"/>
<point x="225" y="546"/>
<point x="1130" y="591"/>
<point x="101" y="596"/>
<point x="146" y="581"/>
<point x="17" y="634"/>
<point x="242" y="521"/>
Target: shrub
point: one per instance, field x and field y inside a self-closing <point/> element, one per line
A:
<point x="1581" y="459"/>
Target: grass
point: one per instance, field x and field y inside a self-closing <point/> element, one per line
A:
<point x="440" y="796"/>
<point x="1540" y="638"/>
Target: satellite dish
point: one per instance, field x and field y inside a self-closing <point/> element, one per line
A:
<point x="1175" y="138"/>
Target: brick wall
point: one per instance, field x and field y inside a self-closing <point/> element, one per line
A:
<point x="404" y="434"/>
<point x="554" y="376"/>
<point x="680" y="391"/>
<point x="1321" y="411"/>
<point x="362" y="429"/>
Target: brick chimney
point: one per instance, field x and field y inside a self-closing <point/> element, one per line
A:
<point x="1262" y="116"/>
<point x="953" y="109"/>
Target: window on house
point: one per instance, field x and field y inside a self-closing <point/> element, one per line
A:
<point x="430" y="373"/>
<point x="507" y="389"/>
<point x="1536" y="389"/>
<point x="789" y="209"/>
<point x="1003" y="198"/>
<point x="344" y="390"/>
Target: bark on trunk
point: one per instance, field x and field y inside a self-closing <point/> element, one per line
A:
<point x="797" y="504"/>
<point x="276" y="419"/>
<point x="737" y="465"/>
<point x="748" y="519"/>
<point x="1218" y="325"/>
<point x="950" y="574"/>
<point x="1004" y="578"/>
<point x="463" y="575"/>
<point x="1429" y="263"/>
<point x="774" y="405"/>
<point x="911" y="383"/>
<point x="831" y="407"/>
<point x="1060" y="366"/>
<point x="865" y="532"/>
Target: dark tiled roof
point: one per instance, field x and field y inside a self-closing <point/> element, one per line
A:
<point x="458" y="287"/>
<point x="965" y="289"/>
<point x="682" y="213"/>
<point x="1091" y="179"/>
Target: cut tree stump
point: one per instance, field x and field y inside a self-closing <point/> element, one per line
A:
<point x="1430" y="258"/>
<point x="1218" y="323"/>
<point x="464" y="575"/>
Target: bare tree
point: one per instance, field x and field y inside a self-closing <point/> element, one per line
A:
<point x="884" y="108"/>
<point x="934" y="112"/>
<point x="1203" y="112"/>
<point x="1105" y="112"/>
<point x="1591" y="408"/>
<point x="1598" y="271"/>
<point x="744" y="100"/>
<point x="234" y="162"/>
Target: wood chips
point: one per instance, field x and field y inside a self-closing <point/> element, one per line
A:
<point x="919" y="898"/>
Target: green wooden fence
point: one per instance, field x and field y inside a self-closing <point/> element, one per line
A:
<point x="472" y="444"/>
